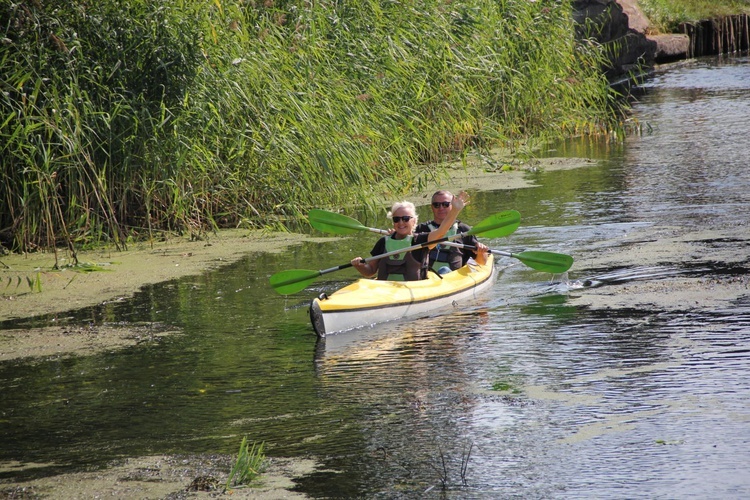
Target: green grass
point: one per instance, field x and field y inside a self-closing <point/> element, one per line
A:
<point x="667" y="15"/>
<point x="125" y="120"/>
<point x="249" y="465"/>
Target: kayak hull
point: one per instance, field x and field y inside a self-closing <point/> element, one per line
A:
<point x="368" y="302"/>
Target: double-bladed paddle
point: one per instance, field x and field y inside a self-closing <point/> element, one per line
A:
<point x="548" y="262"/>
<point x="331" y="222"/>
<point x="494" y="226"/>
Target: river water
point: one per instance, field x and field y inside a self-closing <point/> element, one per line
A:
<point x="525" y="394"/>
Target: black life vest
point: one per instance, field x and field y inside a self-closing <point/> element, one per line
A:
<point x="444" y="255"/>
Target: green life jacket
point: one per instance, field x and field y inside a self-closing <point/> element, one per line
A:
<point x="402" y="266"/>
<point x="392" y="244"/>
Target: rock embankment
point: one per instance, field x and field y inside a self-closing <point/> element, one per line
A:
<point x="621" y="27"/>
<point x="633" y="47"/>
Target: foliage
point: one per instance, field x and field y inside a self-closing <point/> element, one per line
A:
<point x="249" y="464"/>
<point x="667" y="15"/>
<point x="34" y="283"/>
<point x="127" y="119"/>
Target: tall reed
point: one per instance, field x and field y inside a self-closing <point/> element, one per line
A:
<point x="125" y="119"/>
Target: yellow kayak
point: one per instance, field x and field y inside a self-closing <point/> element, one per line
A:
<point x="367" y="302"/>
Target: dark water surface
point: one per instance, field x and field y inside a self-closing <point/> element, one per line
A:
<point x="522" y="395"/>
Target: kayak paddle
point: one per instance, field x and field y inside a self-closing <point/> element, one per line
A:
<point x="331" y="222"/>
<point x="547" y="262"/>
<point x="494" y="226"/>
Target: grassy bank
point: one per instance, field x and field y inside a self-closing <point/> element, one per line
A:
<point x="125" y="119"/>
<point x="667" y="15"/>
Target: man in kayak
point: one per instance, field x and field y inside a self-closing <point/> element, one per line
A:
<point x="444" y="258"/>
<point x="407" y="266"/>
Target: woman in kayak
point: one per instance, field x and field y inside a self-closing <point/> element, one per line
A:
<point x="444" y="258"/>
<point x="407" y="266"/>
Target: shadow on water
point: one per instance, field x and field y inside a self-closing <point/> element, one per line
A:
<point x="523" y="394"/>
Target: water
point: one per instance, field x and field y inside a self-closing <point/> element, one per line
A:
<point x="524" y="394"/>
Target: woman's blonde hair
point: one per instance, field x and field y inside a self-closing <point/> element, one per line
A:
<point x="407" y="205"/>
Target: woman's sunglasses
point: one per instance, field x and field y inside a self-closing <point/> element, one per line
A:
<point x="405" y="218"/>
<point x="438" y="204"/>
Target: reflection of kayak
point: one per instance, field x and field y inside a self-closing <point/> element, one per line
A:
<point x="367" y="302"/>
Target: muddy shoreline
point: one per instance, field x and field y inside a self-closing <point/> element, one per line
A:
<point x="173" y="477"/>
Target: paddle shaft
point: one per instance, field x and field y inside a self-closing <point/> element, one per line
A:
<point x="472" y="247"/>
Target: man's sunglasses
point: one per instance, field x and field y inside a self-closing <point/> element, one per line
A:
<point x="405" y="218"/>
<point x="438" y="204"/>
